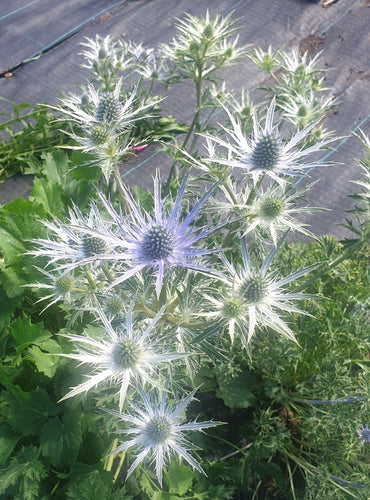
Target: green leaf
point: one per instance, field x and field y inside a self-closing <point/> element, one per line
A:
<point x="19" y="222"/>
<point x="178" y="478"/>
<point x="49" y="195"/>
<point x="26" y="471"/>
<point x="60" y="440"/>
<point x="92" y="449"/>
<point x="8" y="440"/>
<point x="87" y="483"/>
<point x="25" y="333"/>
<point x="26" y="412"/>
<point x="45" y="362"/>
<point x="236" y="391"/>
<point x="7" y="308"/>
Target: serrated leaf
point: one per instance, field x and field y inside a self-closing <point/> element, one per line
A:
<point x="19" y="222"/>
<point x="178" y="478"/>
<point x="10" y="476"/>
<point x="26" y="471"/>
<point x="236" y="391"/>
<point x="49" y="195"/>
<point x="25" y="333"/>
<point x="60" y="440"/>
<point x="8" y="440"/>
<point x="45" y="362"/>
<point x="86" y="485"/>
<point x="26" y="412"/>
<point x="7" y="307"/>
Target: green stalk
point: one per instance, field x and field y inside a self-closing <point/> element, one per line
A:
<point x="90" y="280"/>
<point x="116" y="474"/>
<point x="195" y="121"/>
<point x="122" y="193"/>
<point x="106" y="271"/>
<point x="109" y="460"/>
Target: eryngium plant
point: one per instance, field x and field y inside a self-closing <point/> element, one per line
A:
<point x="181" y="281"/>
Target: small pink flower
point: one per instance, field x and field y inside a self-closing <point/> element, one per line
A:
<point x="137" y="149"/>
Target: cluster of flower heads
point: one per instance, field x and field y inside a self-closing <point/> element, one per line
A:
<point x="132" y="268"/>
<point x="95" y="262"/>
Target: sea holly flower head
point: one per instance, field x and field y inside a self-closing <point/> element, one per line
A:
<point x="58" y="285"/>
<point x="301" y="110"/>
<point x="104" y="56"/>
<point x="300" y="65"/>
<point x="127" y="355"/>
<point x="364" y="433"/>
<point x="274" y="209"/>
<point x="265" y="213"/>
<point x="265" y="61"/>
<point x="157" y="432"/>
<point x="261" y="297"/>
<point x="161" y="240"/>
<point x="266" y="153"/>
<point x="229" y="309"/>
<point x="71" y="247"/>
<point x="109" y="108"/>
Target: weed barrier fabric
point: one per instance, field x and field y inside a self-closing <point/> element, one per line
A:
<point x="340" y="31"/>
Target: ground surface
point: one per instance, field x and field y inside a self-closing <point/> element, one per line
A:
<point x="39" y="57"/>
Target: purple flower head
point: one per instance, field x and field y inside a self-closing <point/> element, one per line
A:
<point x="160" y="240"/>
<point x="364" y="433"/>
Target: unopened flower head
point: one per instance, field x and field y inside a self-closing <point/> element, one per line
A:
<point x="157" y="432"/>
<point x="159" y="241"/>
<point x="103" y="55"/>
<point x="261" y="298"/>
<point x="266" y="152"/>
<point x="274" y="209"/>
<point x="129" y="355"/>
<point x="229" y="309"/>
<point x="300" y="65"/>
<point x="57" y="284"/>
<point x="203" y="41"/>
<point x="265" y="61"/>
<point x="154" y="66"/>
<point x="364" y="433"/>
<point x="301" y="110"/>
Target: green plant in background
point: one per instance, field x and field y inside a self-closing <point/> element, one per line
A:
<point x="183" y="308"/>
<point x="26" y="136"/>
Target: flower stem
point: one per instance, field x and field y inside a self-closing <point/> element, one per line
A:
<point x="109" y="461"/>
<point x="107" y="273"/>
<point x="117" y="472"/>
<point x="121" y="191"/>
<point x="194" y="124"/>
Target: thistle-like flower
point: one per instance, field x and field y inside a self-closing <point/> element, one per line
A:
<point x="127" y="356"/>
<point x="103" y="109"/>
<point x="203" y="41"/>
<point x="301" y="110"/>
<point x="272" y="210"/>
<point x="104" y="56"/>
<point x="159" y="432"/>
<point x="254" y="297"/>
<point x="364" y="433"/>
<point x="57" y="284"/>
<point x="154" y="66"/>
<point x="300" y="64"/>
<point x="266" y="152"/>
<point x="158" y="241"/>
<point x="265" y="61"/>
<point x="72" y="247"/>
